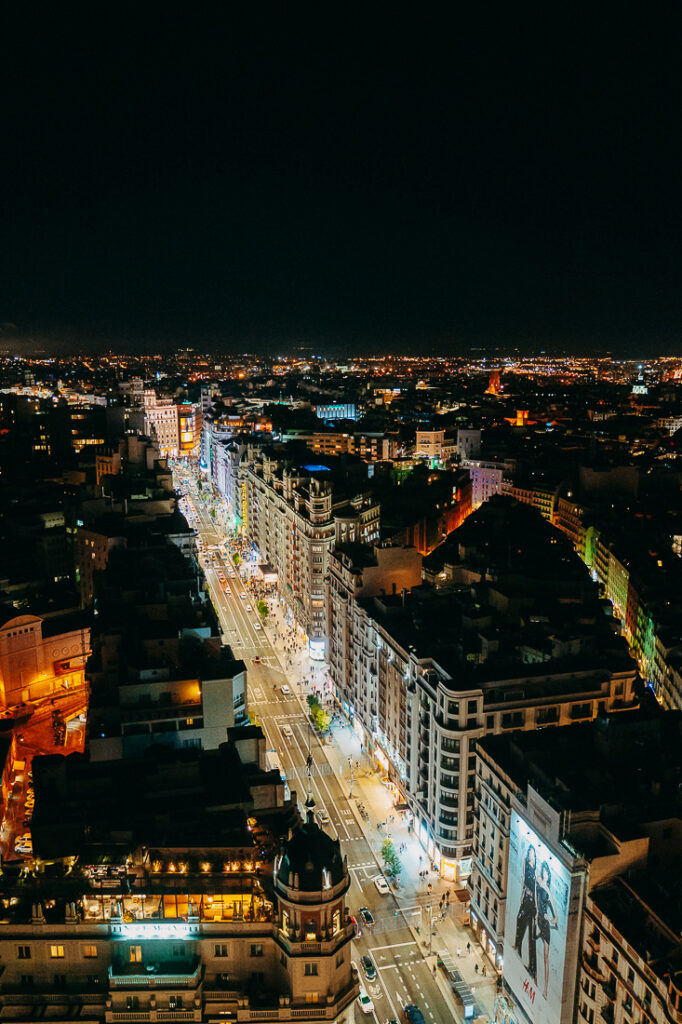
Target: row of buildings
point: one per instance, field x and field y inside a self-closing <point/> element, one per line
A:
<point x="506" y="632"/>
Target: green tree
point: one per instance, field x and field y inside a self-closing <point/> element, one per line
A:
<point x="237" y="558"/>
<point x="212" y="513"/>
<point x="321" y="718"/>
<point x="262" y="609"/>
<point x="390" y="857"/>
<point x="312" y="701"/>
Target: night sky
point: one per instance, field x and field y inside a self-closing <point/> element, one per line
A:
<point x="342" y="177"/>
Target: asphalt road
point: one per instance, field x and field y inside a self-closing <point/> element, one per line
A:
<point x="403" y="974"/>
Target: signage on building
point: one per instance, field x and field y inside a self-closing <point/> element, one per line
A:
<point x="536" y="923"/>
<point x="156" y="930"/>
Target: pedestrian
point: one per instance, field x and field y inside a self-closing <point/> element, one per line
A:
<point x="476" y="968"/>
<point x="459" y="953"/>
<point x="484" y="971"/>
<point x="468" y="947"/>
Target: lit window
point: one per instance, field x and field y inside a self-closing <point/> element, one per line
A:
<point x="90" y="952"/>
<point x="56" y="952"/>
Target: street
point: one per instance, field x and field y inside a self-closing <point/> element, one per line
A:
<point x="398" y="942"/>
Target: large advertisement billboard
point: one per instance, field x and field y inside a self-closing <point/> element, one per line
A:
<point x="538" y="890"/>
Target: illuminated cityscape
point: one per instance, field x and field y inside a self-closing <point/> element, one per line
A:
<point x="340" y="518"/>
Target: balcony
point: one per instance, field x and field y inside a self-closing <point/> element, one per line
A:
<point x="169" y="974"/>
<point x="591" y="965"/>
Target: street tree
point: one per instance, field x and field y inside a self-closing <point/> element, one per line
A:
<point x="390" y="858"/>
<point x="322" y="719"/>
<point x="262" y="609"/>
<point x="237" y="558"/>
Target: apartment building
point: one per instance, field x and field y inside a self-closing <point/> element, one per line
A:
<point x="434" y="445"/>
<point x="176" y="428"/>
<point x="41" y="657"/>
<point x="505" y="637"/>
<point x="159" y="673"/>
<point x="591" y="815"/>
<point x="486" y="478"/>
<point x="292" y="509"/>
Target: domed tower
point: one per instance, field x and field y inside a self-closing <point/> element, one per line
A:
<point x="315" y="931"/>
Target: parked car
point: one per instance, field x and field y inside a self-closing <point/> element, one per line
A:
<point x="382" y="885"/>
<point x="366" y="1004"/>
<point x="285" y="690"/>
<point x="322" y="817"/>
<point x="368" y="967"/>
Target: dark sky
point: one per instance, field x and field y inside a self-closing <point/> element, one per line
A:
<point x="327" y="175"/>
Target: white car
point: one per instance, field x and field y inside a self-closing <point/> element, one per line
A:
<point x="249" y="608"/>
<point x="287" y="732"/>
<point x="382" y="885"/>
<point x="243" y="596"/>
<point x="366" y="1004"/>
<point x="285" y="690"/>
<point x="23" y="845"/>
<point x="257" y="625"/>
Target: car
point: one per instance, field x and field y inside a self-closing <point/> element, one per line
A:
<point x="285" y="690"/>
<point x="287" y="732"/>
<point x="356" y="927"/>
<point x="322" y="817"/>
<point x="257" y="625"/>
<point x="243" y="596"/>
<point x="366" y="915"/>
<point x="366" y="1004"/>
<point x="368" y="967"/>
<point x="382" y="885"/>
<point x="23" y="844"/>
<point x="391" y="1020"/>
<point x="256" y="660"/>
<point x="413" y="1014"/>
<point x="248" y="608"/>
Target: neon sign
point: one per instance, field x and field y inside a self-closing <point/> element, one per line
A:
<point x="155" y="931"/>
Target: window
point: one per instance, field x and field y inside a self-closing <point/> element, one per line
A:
<point x="178" y="950"/>
<point x="56" y="952"/>
<point x="336" y="922"/>
<point x="453" y="707"/>
<point x="90" y="951"/>
<point x="23" y="952"/>
<point x="310" y="970"/>
<point x="60" y="981"/>
<point x="339" y="959"/>
<point x="175" y="1002"/>
<point x="256" y="949"/>
<point x="311" y="997"/>
<point x="135" y="954"/>
<point x="132" y="1003"/>
<point x="257" y="977"/>
<point x="27" y="981"/>
<point x="220" y="949"/>
<point x="283" y="959"/>
<point x="490" y="723"/>
<point x="472" y="707"/>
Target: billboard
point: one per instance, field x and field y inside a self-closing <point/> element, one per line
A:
<point x="536" y="921"/>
